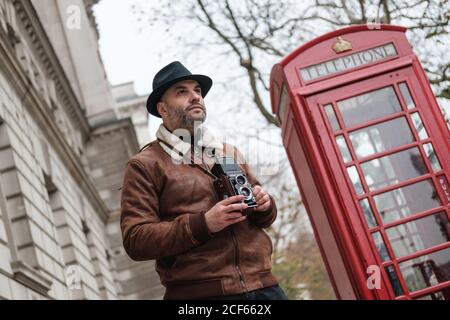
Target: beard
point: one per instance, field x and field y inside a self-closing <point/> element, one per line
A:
<point x="183" y="120"/>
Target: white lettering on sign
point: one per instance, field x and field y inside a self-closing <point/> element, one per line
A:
<point x="348" y="62"/>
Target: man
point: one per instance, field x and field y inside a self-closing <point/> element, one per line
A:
<point x="204" y="247"/>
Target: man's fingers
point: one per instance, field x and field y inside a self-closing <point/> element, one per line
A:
<point x="232" y="199"/>
<point x="233" y="215"/>
<point x="264" y="204"/>
<point x="262" y="198"/>
<point x="259" y="196"/>
<point x="237" y="219"/>
<point x="263" y="207"/>
<point x="236" y="207"/>
<point x="256" y="190"/>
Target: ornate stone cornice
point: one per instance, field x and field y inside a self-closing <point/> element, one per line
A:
<point x="36" y="33"/>
<point x="123" y="125"/>
<point x="41" y="111"/>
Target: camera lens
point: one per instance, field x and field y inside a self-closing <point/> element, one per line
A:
<point x="241" y="180"/>
<point x="246" y="192"/>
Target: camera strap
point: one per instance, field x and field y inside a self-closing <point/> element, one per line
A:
<point x="192" y="160"/>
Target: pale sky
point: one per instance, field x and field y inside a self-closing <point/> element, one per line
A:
<point x="128" y="55"/>
<point x="131" y="54"/>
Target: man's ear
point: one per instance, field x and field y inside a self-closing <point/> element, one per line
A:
<point x="161" y="108"/>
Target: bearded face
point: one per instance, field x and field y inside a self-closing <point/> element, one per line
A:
<point x="182" y="106"/>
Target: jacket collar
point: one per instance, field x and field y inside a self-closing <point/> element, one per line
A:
<point x="207" y="140"/>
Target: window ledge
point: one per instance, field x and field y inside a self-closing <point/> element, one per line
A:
<point x="31" y="278"/>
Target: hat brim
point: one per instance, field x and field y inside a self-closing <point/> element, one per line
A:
<point x="205" y="83"/>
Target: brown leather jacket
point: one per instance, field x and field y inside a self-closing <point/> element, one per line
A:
<point x="162" y="217"/>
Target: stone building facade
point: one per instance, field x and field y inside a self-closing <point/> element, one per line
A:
<point x="63" y="149"/>
<point x="131" y="105"/>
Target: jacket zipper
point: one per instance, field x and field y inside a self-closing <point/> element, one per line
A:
<point x="236" y="245"/>
<point x="236" y="257"/>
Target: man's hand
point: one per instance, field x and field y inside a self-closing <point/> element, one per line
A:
<point x="225" y="213"/>
<point x="262" y="199"/>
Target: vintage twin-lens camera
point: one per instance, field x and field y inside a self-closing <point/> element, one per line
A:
<point x="231" y="181"/>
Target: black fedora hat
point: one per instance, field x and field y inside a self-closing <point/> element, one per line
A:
<point x="169" y="75"/>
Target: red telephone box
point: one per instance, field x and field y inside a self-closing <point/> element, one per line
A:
<point x="370" y="151"/>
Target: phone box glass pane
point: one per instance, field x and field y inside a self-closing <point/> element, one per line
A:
<point x="394" y="168"/>
<point x="381" y="137"/>
<point x="427" y="270"/>
<point x="369" y="106"/>
<point x="419" y="234"/>
<point x="406" y="201"/>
